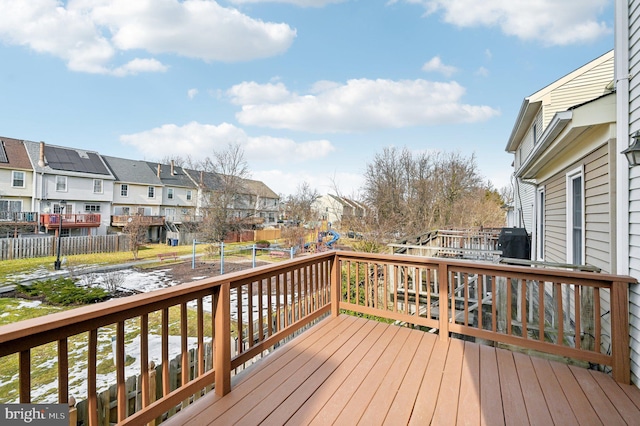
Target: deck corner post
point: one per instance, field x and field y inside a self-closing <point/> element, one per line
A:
<point x="335" y="286"/>
<point x="443" y="286"/>
<point x="620" y="332"/>
<point x="222" y="339"/>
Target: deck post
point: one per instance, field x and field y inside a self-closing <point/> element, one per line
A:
<point x="222" y="340"/>
<point x="443" y="286"/>
<point x="620" y="332"/>
<point x="335" y="286"/>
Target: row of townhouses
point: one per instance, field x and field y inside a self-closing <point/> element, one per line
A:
<point x="46" y="188"/>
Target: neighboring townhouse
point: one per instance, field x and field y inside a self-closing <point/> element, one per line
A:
<point x="137" y="192"/>
<point x="255" y="204"/>
<point x="73" y="182"/>
<point x="262" y="202"/>
<point x="338" y="211"/>
<point x="179" y="195"/>
<point x="533" y="122"/>
<point x="16" y="192"/>
<point x="627" y="77"/>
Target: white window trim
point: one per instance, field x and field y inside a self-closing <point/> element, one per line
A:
<point x="571" y="175"/>
<point x="540" y="223"/>
<point x="101" y="186"/>
<point x="189" y="195"/>
<point x="149" y="190"/>
<point x="127" y="194"/>
<point x="66" y="184"/>
<point x="24" y="178"/>
<point x="170" y="194"/>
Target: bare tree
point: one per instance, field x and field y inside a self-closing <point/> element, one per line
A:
<point x="300" y="205"/>
<point x="226" y="193"/>
<point x="412" y="193"/>
<point x="136" y="230"/>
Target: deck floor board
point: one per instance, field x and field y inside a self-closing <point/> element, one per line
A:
<point x="349" y="370"/>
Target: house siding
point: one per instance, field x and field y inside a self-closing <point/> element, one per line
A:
<point x="583" y="88"/>
<point x="555" y="219"/>
<point x="631" y="31"/>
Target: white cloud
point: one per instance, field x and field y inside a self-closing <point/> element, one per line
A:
<point x="552" y="22"/>
<point x="254" y="93"/>
<point x="287" y="182"/>
<point x="435" y="64"/>
<point x="482" y="72"/>
<point x="200" y="140"/>
<point x="191" y="93"/>
<point x="362" y="105"/>
<point x="88" y="34"/>
<point x="301" y="3"/>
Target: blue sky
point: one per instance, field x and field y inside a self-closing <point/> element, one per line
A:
<point x="311" y="89"/>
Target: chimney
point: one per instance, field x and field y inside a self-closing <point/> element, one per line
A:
<point x="172" y="168"/>
<point x="159" y="170"/>
<point x="41" y="159"/>
<point x="201" y="178"/>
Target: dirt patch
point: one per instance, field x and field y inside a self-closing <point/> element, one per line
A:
<point x="183" y="272"/>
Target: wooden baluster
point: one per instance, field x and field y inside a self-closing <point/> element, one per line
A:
<point x="466" y="299"/>
<point x="597" y="319"/>
<point x="577" y="302"/>
<point x="250" y="316"/>
<point x="278" y="307"/>
<point x="25" y="376"/>
<point x="63" y="371"/>
<point x="336" y="286"/>
<point x="144" y="360"/>
<point x="509" y="305"/>
<point x="560" y="317"/>
<point x="494" y="318"/>
<point x="92" y="395"/>
<point x="200" y="326"/>
<point x="166" y="384"/>
<point x="269" y="306"/>
<point x="184" y="349"/>
<point x="523" y="302"/>
<point x="620" y="332"/>
<point x="541" y="310"/>
<point x="121" y="385"/>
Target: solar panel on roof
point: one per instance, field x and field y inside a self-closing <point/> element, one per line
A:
<point x="69" y="160"/>
<point x="3" y="153"/>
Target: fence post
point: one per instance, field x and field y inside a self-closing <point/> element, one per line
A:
<point x="443" y="299"/>
<point x="620" y="332"/>
<point x="253" y="256"/>
<point x="222" y="348"/>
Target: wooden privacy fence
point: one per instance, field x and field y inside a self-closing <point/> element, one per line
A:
<point x="20" y="248"/>
<point x="553" y="311"/>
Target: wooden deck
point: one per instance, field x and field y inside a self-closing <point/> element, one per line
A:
<point x="349" y="371"/>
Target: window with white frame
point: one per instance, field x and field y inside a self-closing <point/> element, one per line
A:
<point x="61" y="183"/>
<point x="189" y="195"/>
<point x="170" y="193"/>
<point x="540" y="223"/>
<point x="13" y="206"/>
<point x="97" y="186"/>
<point x="124" y="190"/>
<point x="535" y="133"/>
<point x="92" y="208"/>
<point x="152" y="192"/>
<point x="17" y="179"/>
<point x="575" y="217"/>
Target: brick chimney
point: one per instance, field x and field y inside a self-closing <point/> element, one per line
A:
<point x="41" y="162"/>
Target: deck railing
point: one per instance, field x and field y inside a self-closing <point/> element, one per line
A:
<point x="553" y="311"/>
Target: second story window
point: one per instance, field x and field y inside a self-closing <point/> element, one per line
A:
<point x="535" y="133"/>
<point x="189" y="195"/>
<point x="97" y="186"/>
<point x="124" y="190"/>
<point x="152" y="192"/>
<point x="92" y="208"/>
<point x="17" y="179"/>
<point x="61" y="183"/>
<point x="170" y="193"/>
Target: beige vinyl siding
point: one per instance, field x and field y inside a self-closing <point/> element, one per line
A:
<point x="585" y="87"/>
<point x="528" y="142"/>
<point x="555" y="243"/>
<point x="634" y="189"/>
<point x="598" y="246"/>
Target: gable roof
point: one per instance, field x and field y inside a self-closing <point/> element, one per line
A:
<point x="171" y="175"/>
<point x="131" y="171"/>
<point x="13" y="154"/>
<point x="256" y="187"/>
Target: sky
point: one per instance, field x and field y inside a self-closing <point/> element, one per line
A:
<point x="312" y="90"/>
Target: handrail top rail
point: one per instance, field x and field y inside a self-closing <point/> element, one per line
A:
<point x="486" y="266"/>
<point x="87" y="314"/>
